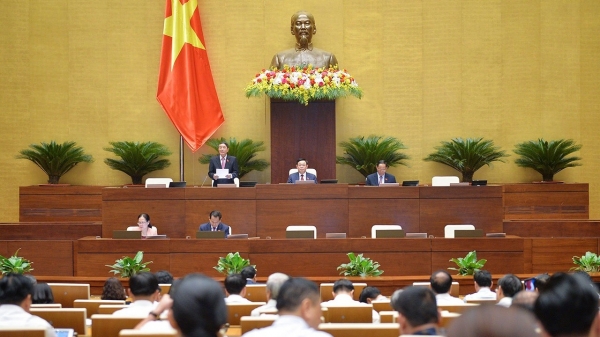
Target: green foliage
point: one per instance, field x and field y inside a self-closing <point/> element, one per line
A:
<point x="359" y="266"/>
<point x="55" y="159"/>
<point x="469" y="264"/>
<point x="137" y="159"/>
<point x="363" y="153"/>
<point x="127" y="267"/>
<point x="590" y="262"/>
<point x="244" y="151"/>
<point x="547" y="158"/>
<point x="15" y="264"/>
<point x="466" y="156"/>
<point x="233" y="263"/>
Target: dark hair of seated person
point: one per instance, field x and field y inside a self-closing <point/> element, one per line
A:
<point x="483" y="278"/>
<point x="143" y="284"/>
<point x="294" y="291"/>
<point x="113" y="290"/>
<point x="42" y="294"/>
<point x="234" y="284"/>
<point x="343" y="285"/>
<point x="164" y="277"/>
<point x="248" y="272"/>
<point x="199" y="308"/>
<point x="368" y="292"/>
<point x="14" y="288"/>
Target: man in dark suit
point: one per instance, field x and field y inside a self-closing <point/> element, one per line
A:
<point x="301" y="165"/>
<point x="380" y="176"/>
<point x="223" y="161"/>
<point x="214" y="224"/>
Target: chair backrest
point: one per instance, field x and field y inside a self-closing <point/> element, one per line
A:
<point x="326" y="290"/>
<point x="447" y="318"/>
<point x="361" y="329"/>
<point x="69" y="318"/>
<point x="300" y="231"/>
<point x="457" y="308"/>
<point x="92" y="306"/>
<point x="158" y="182"/>
<point x="377" y="228"/>
<point x="444" y="180"/>
<point x="47" y="305"/>
<point x="24" y="332"/>
<point x="164" y="288"/>
<point x="350" y="314"/>
<point x="308" y="170"/>
<point x="110" y="326"/>
<point x="249" y="323"/>
<point x="381" y="305"/>
<point x="388" y="316"/>
<point x="481" y="301"/>
<point x="449" y="229"/>
<point x="109" y="309"/>
<point x="256" y="292"/>
<point x="66" y="293"/>
<point x="140" y="333"/>
<point x="454" y="288"/>
<point x="133" y="228"/>
<point x="235" y="311"/>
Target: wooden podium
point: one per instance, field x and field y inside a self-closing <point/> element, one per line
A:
<point x="302" y="131"/>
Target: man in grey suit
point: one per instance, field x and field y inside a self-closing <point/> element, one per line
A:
<point x="223" y="161"/>
<point x="214" y="224"/>
<point x="301" y="165"/>
<point x="380" y="176"/>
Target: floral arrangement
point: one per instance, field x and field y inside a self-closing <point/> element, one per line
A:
<point x="304" y="84"/>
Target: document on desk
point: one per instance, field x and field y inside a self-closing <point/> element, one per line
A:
<point x="222" y="173"/>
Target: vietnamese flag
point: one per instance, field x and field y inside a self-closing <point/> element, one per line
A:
<point x="186" y="89"/>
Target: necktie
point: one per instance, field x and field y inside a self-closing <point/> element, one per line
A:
<point x="381" y="179"/>
<point x="214" y="229"/>
<point x="222" y="162"/>
<point x="302" y="177"/>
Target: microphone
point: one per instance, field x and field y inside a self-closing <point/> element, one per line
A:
<point x="204" y="181"/>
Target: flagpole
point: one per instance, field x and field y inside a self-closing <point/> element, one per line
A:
<point x="181" y="173"/>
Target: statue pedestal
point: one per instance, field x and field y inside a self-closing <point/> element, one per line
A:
<point x="299" y="131"/>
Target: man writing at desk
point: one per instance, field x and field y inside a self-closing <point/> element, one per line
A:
<point x="223" y="161"/>
<point x="214" y="224"/>
<point x="380" y="177"/>
<point x="301" y="175"/>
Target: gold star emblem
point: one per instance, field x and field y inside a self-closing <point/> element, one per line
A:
<point x="178" y="27"/>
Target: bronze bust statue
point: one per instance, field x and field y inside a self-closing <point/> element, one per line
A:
<point x="303" y="28"/>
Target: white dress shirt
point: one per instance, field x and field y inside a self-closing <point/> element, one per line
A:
<point x="271" y="305"/>
<point x="505" y="302"/>
<point x="13" y="316"/>
<point x="484" y="293"/>
<point x="448" y="299"/>
<point x="139" y="308"/>
<point x="236" y="299"/>
<point x="287" y="326"/>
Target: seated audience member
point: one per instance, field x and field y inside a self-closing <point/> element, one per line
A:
<point x="198" y="307"/>
<point x="568" y="306"/>
<point x="143" y="290"/>
<point x="214" y="224"/>
<point x="540" y="281"/>
<point x="441" y="282"/>
<point x="524" y="300"/>
<point x="299" y="309"/>
<point x="249" y="273"/>
<point x="508" y="286"/>
<point x="274" y="283"/>
<point x="42" y="294"/>
<point x="493" y="321"/>
<point x="483" y="283"/>
<point x="381" y="176"/>
<point x="235" y="285"/>
<point x="113" y="290"/>
<point x="301" y="165"/>
<point x="164" y="277"/>
<point x="417" y="311"/>
<point x="145" y="226"/>
<point x="15" y="302"/>
<point x="370" y="294"/>
<point x="156" y="320"/>
<point x="343" y="295"/>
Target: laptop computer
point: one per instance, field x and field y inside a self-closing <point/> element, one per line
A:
<point x="410" y="183"/>
<point x="304" y="182"/>
<point x="469" y="233"/>
<point x="335" y="235"/>
<point x="237" y="236"/>
<point x="307" y="234"/>
<point x="247" y="183"/>
<point x="210" y="235"/>
<point x="121" y="234"/>
<point x="64" y="332"/>
<point x="177" y="184"/>
<point x="389" y="184"/>
<point x="329" y="181"/>
<point x="389" y="233"/>
<point x="479" y="183"/>
<point x="159" y="236"/>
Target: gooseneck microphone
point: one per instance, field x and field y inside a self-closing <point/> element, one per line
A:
<point x="204" y="181"/>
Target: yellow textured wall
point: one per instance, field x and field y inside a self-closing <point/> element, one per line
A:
<point x="506" y="70"/>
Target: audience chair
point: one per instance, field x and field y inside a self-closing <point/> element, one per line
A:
<point x="327" y="290"/>
<point x="361" y="329"/>
<point x="110" y="326"/>
<point x="158" y="182"/>
<point x="482" y="301"/>
<point x="68" y="318"/>
<point x="382" y="305"/>
<point x="454" y="288"/>
<point x="291" y="229"/>
<point x="350" y="314"/>
<point x="448" y="317"/>
<point x="449" y="229"/>
<point x="47" y="305"/>
<point x="376" y="228"/>
<point x="235" y="311"/>
<point x="108" y="309"/>
<point x="92" y="305"/>
<point x="388" y="316"/>
<point x="249" y="323"/>
<point x="23" y="332"/>
<point x="66" y="293"/>
<point x="138" y="333"/>
<point x="256" y="292"/>
<point x="457" y="308"/>
<point x="444" y="180"/>
<point x="164" y="288"/>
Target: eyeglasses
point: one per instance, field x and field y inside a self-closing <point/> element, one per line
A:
<point x="142" y="222"/>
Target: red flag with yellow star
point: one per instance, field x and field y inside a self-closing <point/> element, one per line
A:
<point x="186" y="89"/>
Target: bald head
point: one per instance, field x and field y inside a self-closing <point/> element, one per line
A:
<point x="441" y="282"/>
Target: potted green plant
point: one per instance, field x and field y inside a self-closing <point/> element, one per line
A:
<point x="359" y="266"/>
<point x="127" y="267"/>
<point x="547" y="157"/>
<point x="466" y="155"/>
<point x="233" y="263"/>
<point x="137" y="159"/>
<point x="589" y="263"/>
<point x="55" y="159"/>
<point x="469" y="264"/>
<point x="362" y="154"/>
<point x="15" y="264"/>
<point x="245" y="151"/>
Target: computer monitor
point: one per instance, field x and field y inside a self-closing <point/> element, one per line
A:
<point x="122" y="234"/>
<point x="210" y="235"/>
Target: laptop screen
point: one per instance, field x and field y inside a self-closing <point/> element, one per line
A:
<point x="64" y="332"/>
<point x="210" y="235"/>
<point x="121" y="234"/>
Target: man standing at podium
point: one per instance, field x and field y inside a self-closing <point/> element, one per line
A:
<point x="223" y="161"/>
<point x="380" y="177"/>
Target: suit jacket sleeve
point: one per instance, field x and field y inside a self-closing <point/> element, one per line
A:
<point x="291" y="178"/>
<point x="212" y="168"/>
<point x="233" y="169"/>
<point x="203" y="227"/>
<point x="390" y="178"/>
<point x="310" y="176"/>
<point x="369" y="181"/>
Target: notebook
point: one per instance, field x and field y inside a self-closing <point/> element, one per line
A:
<point x="120" y="234"/>
<point x="210" y="235"/>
